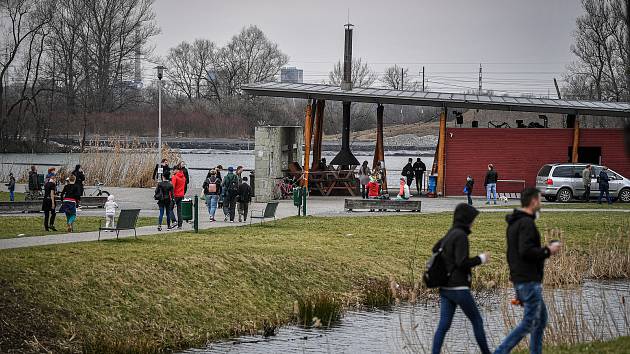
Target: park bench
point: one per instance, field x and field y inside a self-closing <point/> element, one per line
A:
<point x="383" y="204"/>
<point x="126" y="221"/>
<point x="268" y="213"/>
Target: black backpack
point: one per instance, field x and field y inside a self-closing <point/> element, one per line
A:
<point x="159" y="193"/>
<point x="436" y="274"/>
<point x="233" y="185"/>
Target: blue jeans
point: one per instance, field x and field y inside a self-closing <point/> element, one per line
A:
<point x="491" y="190"/>
<point x="449" y="300"/>
<point x="164" y="210"/>
<point x="534" y="319"/>
<point x="212" y="200"/>
<point x="603" y="191"/>
<point x="12" y="195"/>
<point x="469" y="195"/>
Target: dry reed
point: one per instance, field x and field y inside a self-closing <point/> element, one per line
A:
<point x="123" y="163"/>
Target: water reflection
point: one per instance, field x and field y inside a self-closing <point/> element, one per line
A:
<point x="598" y="306"/>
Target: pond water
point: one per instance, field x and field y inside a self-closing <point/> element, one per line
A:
<point x="598" y="308"/>
<point x="205" y="158"/>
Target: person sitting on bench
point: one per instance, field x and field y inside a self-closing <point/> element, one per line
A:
<point x="404" y="193"/>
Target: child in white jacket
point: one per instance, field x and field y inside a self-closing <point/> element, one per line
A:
<point x="110" y="211"/>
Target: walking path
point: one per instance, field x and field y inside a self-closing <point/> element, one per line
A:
<point x="317" y="206"/>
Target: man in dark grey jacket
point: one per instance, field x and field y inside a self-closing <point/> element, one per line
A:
<point x="455" y="254"/>
<point x="526" y="258"/>
<point x="604" y="187"/>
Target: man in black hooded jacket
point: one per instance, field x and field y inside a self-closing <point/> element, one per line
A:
<point x="526" y="258"/>
<point x="456" y="292"/>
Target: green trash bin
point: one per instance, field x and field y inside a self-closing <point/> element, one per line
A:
<point x="297" y="196"/>
<point x="187" y="212"/>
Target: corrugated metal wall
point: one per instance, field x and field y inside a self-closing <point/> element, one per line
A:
<point x="518" y="154"/>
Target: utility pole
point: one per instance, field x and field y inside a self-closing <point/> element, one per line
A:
<point x="480" y="77"/>
<point x="555" y="82"/>
<point x="423" y="78"/>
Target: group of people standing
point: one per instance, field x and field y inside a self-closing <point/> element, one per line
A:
<point x="232" y="193"/>
<point x="371" y="181"/>
<point x="602" y="180"/>
<point x="69" y="195"/>
<point x="489" y="183"/>
<point x="526" y="257"/>
<point x="170" y="192"/>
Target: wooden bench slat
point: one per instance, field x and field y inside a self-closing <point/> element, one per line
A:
<point x="413" y="205"/>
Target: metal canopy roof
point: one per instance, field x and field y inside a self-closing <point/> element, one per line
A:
<point x="439" y="99"/>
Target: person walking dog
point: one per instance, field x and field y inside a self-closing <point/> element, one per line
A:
<point x="456" y="292"/>
<point x="491" y="184"/>
<point x="526" y="259"/>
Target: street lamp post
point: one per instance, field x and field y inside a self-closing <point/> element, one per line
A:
<point x="160" y="74"/>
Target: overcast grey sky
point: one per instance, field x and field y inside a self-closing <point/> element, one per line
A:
<point x="522" y="44"/>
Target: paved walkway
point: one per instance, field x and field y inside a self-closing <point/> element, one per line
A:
<point x="317" y="206"/>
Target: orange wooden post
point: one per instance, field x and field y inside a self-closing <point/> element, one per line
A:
<point x="307" y="142"/>
<point x="441" y="154"/>
<point x="318" y="133"/>
<point x="576" y="140"/>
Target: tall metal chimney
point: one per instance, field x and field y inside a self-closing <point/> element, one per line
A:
<point x="346" y="84"/>
<point x="345" y="157"/>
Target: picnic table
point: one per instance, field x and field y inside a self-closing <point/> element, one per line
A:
<point x="335" y="179"/>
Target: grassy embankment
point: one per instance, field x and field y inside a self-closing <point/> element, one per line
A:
<point x="620" y="345"/>
<point x="4" y="197"/>
<point x="179" y="290"/>
<point x="22" y="226"/>
<point x="592" y="205"/>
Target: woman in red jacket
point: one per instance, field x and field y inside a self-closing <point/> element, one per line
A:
<point x="179" y="186"/>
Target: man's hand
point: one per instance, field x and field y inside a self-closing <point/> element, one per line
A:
<point x="485" y="257"/>
<point x="554" y="248"/>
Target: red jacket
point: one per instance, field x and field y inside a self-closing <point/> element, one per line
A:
<point x="179" y="183"/>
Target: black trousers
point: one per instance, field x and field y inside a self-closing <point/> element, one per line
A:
<point x="364" y="191"/>
<point x="409" y="182"/>
<point x="587" y="192"/>
<point x="49" y="218"/>
<point x="244" y="206"/>
<point x="178" y="203"/>
<point x="419" y="181"/>
<point x="231" y="202"/>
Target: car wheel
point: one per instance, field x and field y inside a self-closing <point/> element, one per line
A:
<point x="624" y="195"/>
<point x="564" y="195"/>
<point x="550" y="198"/>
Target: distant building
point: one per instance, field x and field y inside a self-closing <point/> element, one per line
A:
<point x="292" y="75"/>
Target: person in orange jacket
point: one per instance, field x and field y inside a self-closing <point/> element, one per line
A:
<point x="179" y="186"/>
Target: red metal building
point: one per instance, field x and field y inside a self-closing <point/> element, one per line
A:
<point x="518" y="154"/>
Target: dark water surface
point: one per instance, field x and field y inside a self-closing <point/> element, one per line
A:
<point x="599" y="307"/>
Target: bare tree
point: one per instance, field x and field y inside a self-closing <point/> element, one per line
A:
<point x="398" y="78"/>
<point x="249" y="57"/>
<point x="189" y="68"/>
<point x="601" y="47"/>
<point x="23" y="22"/>
<point x="362" y="74"/>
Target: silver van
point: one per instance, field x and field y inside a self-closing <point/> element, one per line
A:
<point x="563" y="182"/>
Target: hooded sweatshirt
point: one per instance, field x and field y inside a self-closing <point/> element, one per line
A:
<point x="456" y="247"/>
<point x="110" y="206"/>
<point x="179" y="184"/>
<point x="526" y="257"/>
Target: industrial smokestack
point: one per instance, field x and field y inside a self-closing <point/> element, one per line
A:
<point x="345" y="158"/>
<point x="346" y="84"/>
